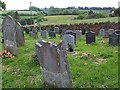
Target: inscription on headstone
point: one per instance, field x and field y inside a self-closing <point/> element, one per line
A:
<point x="19" y="35"/>
<point x="69" y="42"/>
<point x="114" y="39"/>
<point x="9" y="33"/>
<point x="54" y="65"/>
<point x="44" y="34"/>
<point x="90" y="37"/>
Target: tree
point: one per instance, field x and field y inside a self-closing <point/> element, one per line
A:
<point x="2" y="5"/>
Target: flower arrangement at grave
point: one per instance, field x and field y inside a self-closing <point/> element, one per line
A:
<point x="6" y="54"/>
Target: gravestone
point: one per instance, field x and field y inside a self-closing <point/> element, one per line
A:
<point x="31" y="33"/>
<point x="117" y="31"/>
<point x="63" y="31"/>
<point x="54" y="64"/>
<point x="102" y="32"/>
<point x="114" y="39"/>
<point x="44" y="34"/>
<point x="27" y="30"/>
<point x="72" y="33"/>
<point x="19" y="35"/>
<point x="56" y="29"/>
<point x="39" y="26"/>
<point x="69" y="42"/>
<point x="111" y="31"/>
<point x="9" y="34"/>
<point x="52" y="34"/>
<point x="106" y="33"/>
<point x="90" y="37"/>
<point x="35" y="32"/>
<point x="78" y="33"/>
<point x="37" y="53"/>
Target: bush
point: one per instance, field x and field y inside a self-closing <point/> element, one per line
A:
<point x="91" y="15"/>
<point x="26" y="21"/>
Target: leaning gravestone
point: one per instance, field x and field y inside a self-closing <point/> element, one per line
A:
<point x="19" y="35"/>
<point x="69" y="42"/>
<point x="44" y="34"/>
<point x="90" y="37"/>
<point x="37" y="53"/>
<point x="56" y="29"/>
<point x="114" y="39"/>
<point x="102" y="32"/>
<point x="54" y="64"/>
<point x="9" y="33"/>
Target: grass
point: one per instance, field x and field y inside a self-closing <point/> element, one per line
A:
<point x="92" y="66"/>
<point x="69" y="19"/>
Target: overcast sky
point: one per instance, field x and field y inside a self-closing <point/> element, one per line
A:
<point x="24" y="4"/>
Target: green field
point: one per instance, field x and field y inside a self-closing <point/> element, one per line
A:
<point x="92" y="66"/>
<point x="69" y="19"/>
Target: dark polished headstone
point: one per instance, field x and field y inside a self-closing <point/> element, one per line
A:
<point x="90" y="37"/>
<point x="114" y="39"/>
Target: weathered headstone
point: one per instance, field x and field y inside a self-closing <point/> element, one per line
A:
<point x="9" y="33"/>
<point x="44" y="34"/>
<point x="69" y="42"/>
<point x="78" y="33"/>
<point x="114" y="39"/>
<point x="117" y="31"/>
<point x="56" y="29"/>
<point x="111" y="31"/>
<point x="72" y="33"/>
<point x="37" y="53"/>
<point x="26" y="30"/>
<point x="106" y="33"/>
<point x="63" y="31"/>
<point x="90" y="37"/>
<point x="35" y="32"/>
<point x="54" y="65"/>
<point x="52" y="34"/>
<point x="19" y="35"/>
<point x="39" y="25"/>
<point x="102" y="32"/>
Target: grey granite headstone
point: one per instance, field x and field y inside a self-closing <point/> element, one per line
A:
<point x="102" y="32"/>
<point x="35" y="32"/>
<point x="111" y="31"/>
<point x="37" y="53"/>
<point x="78" y="33"/>
<point x="54" y="64"/>
<point x="114" y="39"/>
<point x="52" y="34"/>
<point x="69" y="42"/>
<point x="19" y="35"/>
<point x="56" y="29"/>
<point x="44" y="34"/>
<point x="9" y="33"/>
<point x="90" y="37"/>
<point x="72" y="33"/>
